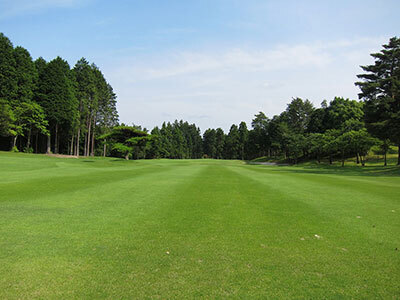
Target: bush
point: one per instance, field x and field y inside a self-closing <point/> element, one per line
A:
<point x="14" y="149"/>
<point x="28" y="150"/>
<point x="393" y="150"/>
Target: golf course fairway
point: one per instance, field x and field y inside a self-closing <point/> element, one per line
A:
<point x="116" y="229"/>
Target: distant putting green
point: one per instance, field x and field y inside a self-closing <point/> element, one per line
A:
<point x="109" y="228"/>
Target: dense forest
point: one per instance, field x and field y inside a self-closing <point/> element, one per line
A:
<point x="48" y="107"/>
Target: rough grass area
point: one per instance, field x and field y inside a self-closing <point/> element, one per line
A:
<point x="108" y="228"/>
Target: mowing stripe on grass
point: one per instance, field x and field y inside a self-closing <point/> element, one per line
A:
<point x="106" y="228"/>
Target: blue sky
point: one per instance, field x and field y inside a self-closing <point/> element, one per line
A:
<point x="210" y="62"/>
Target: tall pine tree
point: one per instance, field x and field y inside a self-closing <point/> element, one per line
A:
<point x="380" y="89"/>
<point x="56" y="94"/>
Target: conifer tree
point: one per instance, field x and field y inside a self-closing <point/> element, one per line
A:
<point x="56" y="94"/>
<point x="26" y="74"/>
<point x="380" y="89"/>
<point x="210" y="143"/>
<point x="220" y="143"/>
<point x="8" y="77"/>
<point x="243" y="139"/>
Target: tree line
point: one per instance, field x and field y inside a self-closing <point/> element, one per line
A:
<point x="336" y="130"/>
<point x="74" y="111"/>
<point x="49" y="107"/>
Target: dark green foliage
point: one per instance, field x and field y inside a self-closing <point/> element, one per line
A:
<point x="30" y="118"/>
<point x="380" y="89"/>
<point x="259" y="139"/>
<point x="316" y="143"/>
<point x="26" y="73"/>
<point x="56" y="94"/>
<point x="176" y="140"/>
<point x="107" y="115"/>
<point x="232" y="143"/>
<point x="298" y="114"/>
<point x="219" y="143"/>
<point x="243" y="140"/>
<point x="342" y="110"/>
<point x="295" y="144"/>
<point x="78" y="105"/>
<point x="7" y="119"/>
<point x="126" y="141"/>
<point x="210" y="143"/>
<point x="155" y="148"/>
<point x="356" y="142"/>
<point x="78" y="108"/>
<point x="317" y="122"/>
<point x="8" y="76"/>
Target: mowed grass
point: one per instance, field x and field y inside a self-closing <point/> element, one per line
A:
<point x="108" y="228"/>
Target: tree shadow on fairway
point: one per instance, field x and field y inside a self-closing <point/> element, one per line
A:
<point x="375" y="171"/>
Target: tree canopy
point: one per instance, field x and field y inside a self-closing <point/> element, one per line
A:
<point x="49" y="107"/>
<point x="380" y="90"/>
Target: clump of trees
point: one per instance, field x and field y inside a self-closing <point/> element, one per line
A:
<point x="339" y="129"/>
<point x="49" y="107"/>
<point x="335" y="130"/>
<point x="175" y="140"/>
<point x="126" y="141"/>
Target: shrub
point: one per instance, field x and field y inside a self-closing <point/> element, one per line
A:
<point x="14" y="149"/>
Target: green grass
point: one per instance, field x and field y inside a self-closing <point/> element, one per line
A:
<point x="108" y="228"/>
<point x="372" y="159"/>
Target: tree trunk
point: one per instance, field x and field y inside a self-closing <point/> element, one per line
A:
<point x="92" y="149"/>
<point x="105" y="148"/>
<point x="36" y="142"/>
<point x="398" y="156"/>
<point x="71" y="152"/>
<point x="88" y="135"/>
<point x="385" y="158"/>
<point x="58" y="143"/>
<point x="14" y="142"/>
<point x="358" y="158"/>
<point x="127" y="156"/>
<point x="342" y="158"/>
<point x="56" y="140"/>
<point x="48" y="150"/>
<point x="84" y="145"/>
<point x="77" y="142"/>
<point x="330" y="159"/>
<point x="28" y="143"/>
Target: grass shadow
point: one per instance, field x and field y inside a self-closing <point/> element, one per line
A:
<point x="376" y="171"/>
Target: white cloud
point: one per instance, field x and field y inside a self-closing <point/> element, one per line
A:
<point x="187" y="63"/>
<point x="231" y="85"/>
